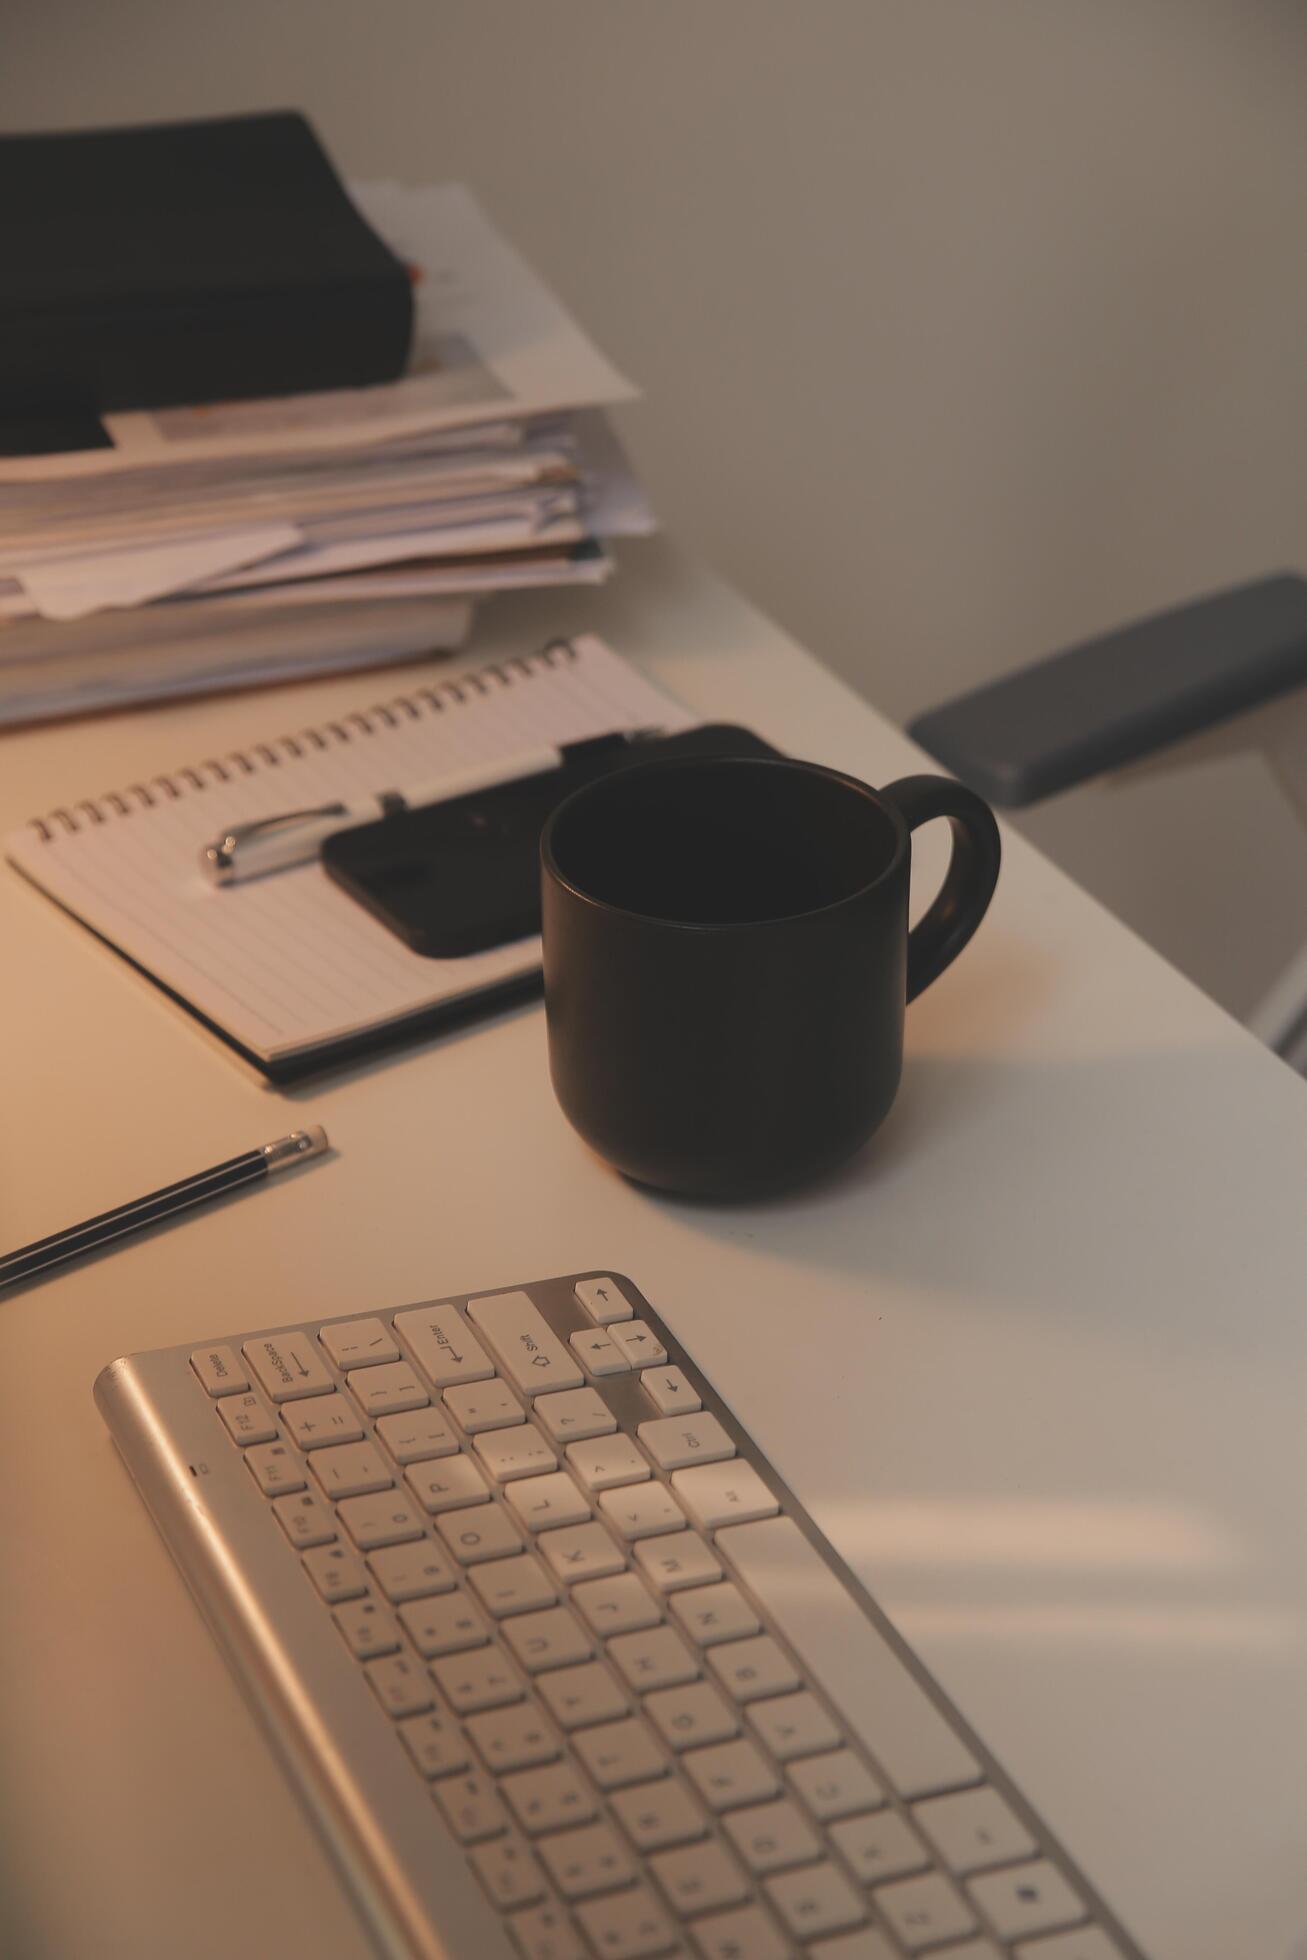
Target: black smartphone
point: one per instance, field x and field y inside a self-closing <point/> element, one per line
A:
<point x="460" y="877"/>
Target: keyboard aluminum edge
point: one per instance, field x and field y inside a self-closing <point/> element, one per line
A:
<point x="405" y="1874"/>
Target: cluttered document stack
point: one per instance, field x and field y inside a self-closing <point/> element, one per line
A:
<point x="179" y="548"/>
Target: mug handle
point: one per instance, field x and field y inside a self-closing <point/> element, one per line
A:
<point x="969" y="882"/>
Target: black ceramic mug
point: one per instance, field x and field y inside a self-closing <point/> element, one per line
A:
<point x="727" y="959"/>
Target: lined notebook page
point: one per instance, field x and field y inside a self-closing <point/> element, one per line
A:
<point x="288" y="963"/>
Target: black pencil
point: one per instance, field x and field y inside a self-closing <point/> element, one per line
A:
<point x="249" y="1168"/>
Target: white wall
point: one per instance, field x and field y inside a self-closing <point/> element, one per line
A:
<point x="968" y="327"/>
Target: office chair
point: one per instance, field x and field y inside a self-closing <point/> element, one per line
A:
<point x="1207" y="678"/>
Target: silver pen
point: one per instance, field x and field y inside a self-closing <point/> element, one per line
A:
<point x="247" y="850"/>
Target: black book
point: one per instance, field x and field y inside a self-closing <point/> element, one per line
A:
<point x="185" y="262"/>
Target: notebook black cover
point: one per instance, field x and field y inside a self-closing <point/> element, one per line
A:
<point x="187" y="262"/>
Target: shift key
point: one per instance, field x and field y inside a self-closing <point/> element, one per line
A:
<point x="531" y="1356"/>
<point x="889" y="1710"/>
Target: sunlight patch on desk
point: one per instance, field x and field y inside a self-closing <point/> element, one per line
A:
<point x="1051" y="1533"/>
<point x="1262" y="1630"/>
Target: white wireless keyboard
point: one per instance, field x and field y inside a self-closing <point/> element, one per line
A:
<point x="559" y="1664"/>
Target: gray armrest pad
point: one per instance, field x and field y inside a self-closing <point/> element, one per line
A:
<point x="1114" y="699"/>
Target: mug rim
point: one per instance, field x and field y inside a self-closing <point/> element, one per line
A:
<point x="669" y="765"/>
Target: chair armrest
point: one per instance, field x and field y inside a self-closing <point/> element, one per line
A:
<point x="1112" y="700"/>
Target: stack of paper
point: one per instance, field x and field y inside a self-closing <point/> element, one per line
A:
<point x="221" y="545"/>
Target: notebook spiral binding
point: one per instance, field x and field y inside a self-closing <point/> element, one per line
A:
<point x="68" y="819"/>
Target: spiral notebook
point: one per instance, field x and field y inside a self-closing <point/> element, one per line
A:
<point x="287" y="968"/>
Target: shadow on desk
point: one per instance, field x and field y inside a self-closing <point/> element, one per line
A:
<point x="975" y="1160"/>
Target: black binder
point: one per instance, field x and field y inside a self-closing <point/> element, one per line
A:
<point x="184" y="262"/>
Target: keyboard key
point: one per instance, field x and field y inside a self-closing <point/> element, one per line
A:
<point x="513" y="1585"/>
<point x="400" y="1685"/>
<point x="620" y="1605"/>
<point x="792" y="1725"/>
<point x="728" y="1493"/>
<point x="669" y="1390"/>
<point x="575" y="1414"/>
<point x="670" y="1563"/>
<point x="358" y="1343"/>
<point x="675" y="1441"/>
<point x="732" y="1773"/>
<point x="632" y="1926"/>
<point x="350" y="1470"/>
<point x="699" y="1877"/>
<point x="336" y="1573"/>
<point x="772" y="1835"/>
<point x="543" y="1502"/>
<point x="868" y="1945"/>
<point x="641" y="1510"/>
<point x="577" y="1696"/>
<point x="443" y="1345"/>
<point x="750" y="1668"/>
<point x="620" y="1752"/>
<point x="713" y="1613"/>
<point x="607" y="1462"/>
<point x="659" y="1814"/>
<point x="367" y="1627"/>
<point x="598" y="1352"/>
<point x="218" y="1371"/>
<point x="880" y="1846"/>
<point x="546" y="1933"/>
<point x="411" y="1438"/>
<point x="485" y="1531"/>
<point x="745" y="1934"/>
<point x="689" y="1716"/>
<point x="973" y="1829"/>
<point x="1085" y="1943"/>
<point x="435" y="1743"/>
<point x="274" y="1469"/>
<point x="471" y="1807"/>
<point x="326" y="1419"/>
<point x="1031" y="1898"/>
<point x="518" y="1452"/>
<point x="656" y="1659"/>
<point x="554" y="1638"/>
<point x="513" y="1738"/>
<point x="248" y="1419"/>
<point x="386" y="1519"/>
<point x="836" y="1785"/>
<point x="445" y="1625"/>
<point x="287" y="1366"/>
<point x="855" y="1664"/>
<point x="386" y="1390"/>
<point x="483" y="1405"/>
<point x="818" y="1899"/>
<point x="585" y="1861"/>
<point x="306" y="1520"/>
<point x="447" y="1484"/>
<point x="639" y="1343"/>
<point x="603" y="1300"/>
<point x="924" y="1911"/>
<point x="532" y="1357"/>
<point x="411" y="1571"/>
<point x="509" y="1872"/>
<point x="582" y="1551"/>
<point x="545" y="1799"/>
<point x="477" y="1680"/>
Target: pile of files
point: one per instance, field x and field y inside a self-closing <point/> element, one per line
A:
<point x="247" y="541"/>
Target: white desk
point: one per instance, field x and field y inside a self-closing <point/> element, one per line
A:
<point x="1062" y="1439"/>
